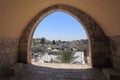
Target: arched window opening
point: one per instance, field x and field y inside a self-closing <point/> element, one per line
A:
<point x="60" y="38"/>
<point x="99" y="48"/>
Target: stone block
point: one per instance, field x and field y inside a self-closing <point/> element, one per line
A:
<point x="7" y="53"/>
<point x="1" y="40"/>
<point x="118" y="51"/>
<point x="111" y="74"/>
<point x="7" y="50"/>
<point x="14" y="69"/>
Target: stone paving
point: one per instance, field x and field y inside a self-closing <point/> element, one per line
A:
<point x="37" y="72"/>
<point x="61" y="65"/>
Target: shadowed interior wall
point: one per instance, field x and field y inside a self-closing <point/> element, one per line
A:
<point x="115" y="51"/>
<point x="8" y="52"/>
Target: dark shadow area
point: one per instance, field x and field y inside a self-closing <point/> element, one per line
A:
<point x="33" y="72"/>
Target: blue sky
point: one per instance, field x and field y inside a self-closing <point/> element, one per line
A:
<point x="60" y="26"/>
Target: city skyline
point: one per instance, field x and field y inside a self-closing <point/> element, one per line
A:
<point x="60" y="26"/>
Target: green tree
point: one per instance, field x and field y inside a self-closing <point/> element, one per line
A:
<point x="42" y="41"/>
<point x="53" y="42"/>
<point x="34" y="42"/>
<point x="66" y="56"/>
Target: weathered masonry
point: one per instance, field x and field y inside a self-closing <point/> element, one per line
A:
<point x="99" y="43"/>
<point x="19" y="19"/>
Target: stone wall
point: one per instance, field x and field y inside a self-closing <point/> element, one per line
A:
<point x="115" y="51"/>
<point x="8" y="52"/>
<point x="100" y="48"/>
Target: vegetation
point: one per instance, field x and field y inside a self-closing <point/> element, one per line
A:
<point x="66" y="56"/>
<point x="34" y="42"/>
<point x="42" y="41"/>
<point x="53" y="42"/>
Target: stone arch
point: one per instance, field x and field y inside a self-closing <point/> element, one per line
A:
<point x="99" y="44"/>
